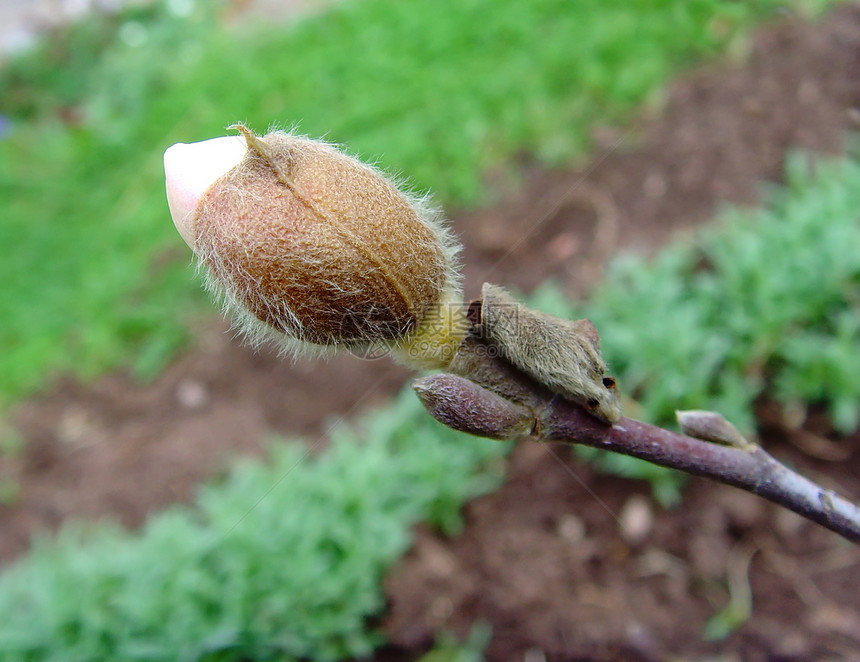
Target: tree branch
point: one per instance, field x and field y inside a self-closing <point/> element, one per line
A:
<point x="750" y="468"/>
<point x="520" y="372"/>
<point x="465" y="405"/>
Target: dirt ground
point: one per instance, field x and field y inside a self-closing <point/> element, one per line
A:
<point x="562" y="563"/>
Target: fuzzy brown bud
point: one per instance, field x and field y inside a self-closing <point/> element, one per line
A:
<point x="310" y="245"/>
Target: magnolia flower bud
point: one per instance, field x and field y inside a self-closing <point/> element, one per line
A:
<point x="311" y="246"/>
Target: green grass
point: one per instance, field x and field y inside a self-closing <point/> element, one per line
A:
<point x="94" y="275"/>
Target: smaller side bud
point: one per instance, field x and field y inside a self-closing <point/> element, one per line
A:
<point x="463" y="405"/>
<point x="562" y="355"/>
<point x="713" y="427"/>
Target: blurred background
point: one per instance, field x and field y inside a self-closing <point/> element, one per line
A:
<point x="682" y="172"/>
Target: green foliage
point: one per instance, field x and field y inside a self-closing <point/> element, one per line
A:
<point x="770" y="297"/>
<point x="450" y="649"/>
<point x="284" y="560"/>
<point x="726" y="621"/>
<point x="106" y="65"/>
<point x="766" y="300"/>
<point x="440" y="89"/>
<point x="10" y="491"/>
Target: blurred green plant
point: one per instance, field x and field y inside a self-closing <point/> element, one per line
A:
<point x="739" y="607"/>
<point x="448" y="648"/>
<point x="284" y="560"/>
<point x="764" y="302"/>
<point x="10" y="491"/>
<point x="94" y="275"/>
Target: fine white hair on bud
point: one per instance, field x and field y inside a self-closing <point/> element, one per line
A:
<point x="309" y="246"/>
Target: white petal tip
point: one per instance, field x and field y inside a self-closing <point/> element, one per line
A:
<point x="190" y="169"/>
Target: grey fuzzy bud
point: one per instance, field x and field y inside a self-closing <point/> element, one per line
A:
<point x="562" y="355"/>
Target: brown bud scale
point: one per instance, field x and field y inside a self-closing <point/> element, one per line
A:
<point x="321" y="247"/>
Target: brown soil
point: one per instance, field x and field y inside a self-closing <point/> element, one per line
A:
<point x="552" y="562"/>
<point x="557" y="561"/>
